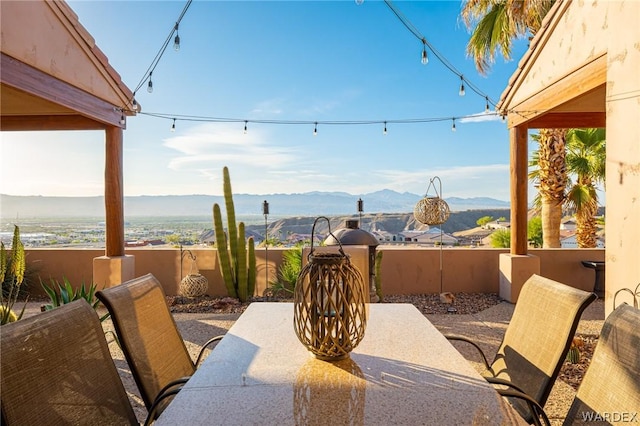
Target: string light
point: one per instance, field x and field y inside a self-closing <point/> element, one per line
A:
<point x="245" y="127"/>
<point x="163" y="48"/>
<point x="453" y="126"/>
<point x="436" y="53"/>
<point x="176" y="41"/>
<point x="384" y="132"/>
<point x="173" y="126"/>
<point x="315" y="129"/>
<point x="486" y="107"/>
<point x="123" y="121"/>
<point x="425" y="59"/>
<point x="134" y="104"/>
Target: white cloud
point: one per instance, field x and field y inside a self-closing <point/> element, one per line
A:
<point x="213" y="145"/>
<point x="481" y="117"/>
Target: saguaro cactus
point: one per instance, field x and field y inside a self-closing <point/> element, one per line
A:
<point x="235" y="253"/>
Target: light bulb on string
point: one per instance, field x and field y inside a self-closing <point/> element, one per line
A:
<point x="315" y="129"/>
<point x="245" y="127"/>
<point x="134" y="103"/>
<point x="453" y="126"/>
<point x="461" y="92"/>
<point x="123" y="121"/>
<point x="173" y="126"/>
<point x="486" y="107"/>
<point x="384" y="132"/>
<point x="176" y="40"/>
<point x="150" y="85"/>
<point x="425" y="58"/>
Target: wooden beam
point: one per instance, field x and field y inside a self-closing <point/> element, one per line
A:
<point x="49" y="122"/>
<point x="30" y="80"/>
<point x="591" y="76"/>
<point x="519" y="178"/>
<point x="113" y="192"/>
<point x="569" y="120"/>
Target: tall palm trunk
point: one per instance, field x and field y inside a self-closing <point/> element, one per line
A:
<point x="553" y="180"/>
<point x="586" y="227"/>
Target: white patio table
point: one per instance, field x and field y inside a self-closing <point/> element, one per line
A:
<point x="403" y="372"/>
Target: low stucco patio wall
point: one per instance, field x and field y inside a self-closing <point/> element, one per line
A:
<point x="405" y="270"/>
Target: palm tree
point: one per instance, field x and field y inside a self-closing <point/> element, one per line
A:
<point x="586" y="160"/>
<point x="495" y="24"/>
<point x="548" y="172"/>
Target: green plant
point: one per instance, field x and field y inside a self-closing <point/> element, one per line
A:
<point x="501" y="238"/>
<point x="484" y="220"/>
<point x="12" y="268"/>
<point x="236" y="253"/>
<point x="62" y="294"/>
<point x="534" y="231"/>
<point x="378" y="276"/>
<point x="288" y="271"/>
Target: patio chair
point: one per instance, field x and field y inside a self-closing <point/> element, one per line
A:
<point x="149" y="338"/>
<point x="610" y="389"/>
<point x="56" y="369"/>
<point x="536" y="341"/>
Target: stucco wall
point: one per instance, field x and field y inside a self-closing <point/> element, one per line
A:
<point x="405" y="270"/>
<point x="47" y="36"/>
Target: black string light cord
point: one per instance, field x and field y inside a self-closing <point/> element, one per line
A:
<point x="436" y="53"/>
<point x="173" y="117"/>
<point x="156" y="60"/>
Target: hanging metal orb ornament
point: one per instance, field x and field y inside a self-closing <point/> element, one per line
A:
<point x="329" y="304"/>
<point x="432" y="210"/>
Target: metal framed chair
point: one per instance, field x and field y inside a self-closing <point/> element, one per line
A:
<point x="610" y="389"/>
<point x="56" y="369"/>
<point x="536" y="342"/>
<point x="149" y="338"/>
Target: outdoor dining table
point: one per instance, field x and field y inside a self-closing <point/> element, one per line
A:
<point x="404" y="371"/>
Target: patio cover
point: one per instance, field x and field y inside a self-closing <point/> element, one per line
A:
<point x="54" y="77"/>
<point x="581" y="70"/>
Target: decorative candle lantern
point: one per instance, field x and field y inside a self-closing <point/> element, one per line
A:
<point x="193" y="284"/>
<point x="432" y="210"/>
<point x="329" y="304"/>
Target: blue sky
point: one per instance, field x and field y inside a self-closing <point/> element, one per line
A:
<point x="297" y="61"/>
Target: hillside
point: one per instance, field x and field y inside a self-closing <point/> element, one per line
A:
<point x="390" y="222"/>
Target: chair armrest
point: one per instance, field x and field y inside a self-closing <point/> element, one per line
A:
<point x="499" y="381"/>
<point x="153" y="411"/>
<point x="536" y="410"/>
<point x="472" y="343"/>
<point x="209" y="342"/>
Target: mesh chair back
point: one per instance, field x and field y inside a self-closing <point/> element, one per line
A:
<point x="538" y="337"/>
<point x="151" y="342"/>
<point x="610" y="389"/>
<point x="57" y="369"/>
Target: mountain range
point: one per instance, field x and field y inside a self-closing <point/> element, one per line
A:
<point x="280" y="205"/>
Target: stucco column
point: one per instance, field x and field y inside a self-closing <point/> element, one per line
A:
<point x="517" y="266"/>
<point x="114" y="267"/>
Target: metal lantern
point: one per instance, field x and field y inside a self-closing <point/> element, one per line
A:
<point x="329" y="304"/>
<point x="432" y="210"/>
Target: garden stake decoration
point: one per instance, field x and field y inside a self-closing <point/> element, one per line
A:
<point x="329" y="304"/>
